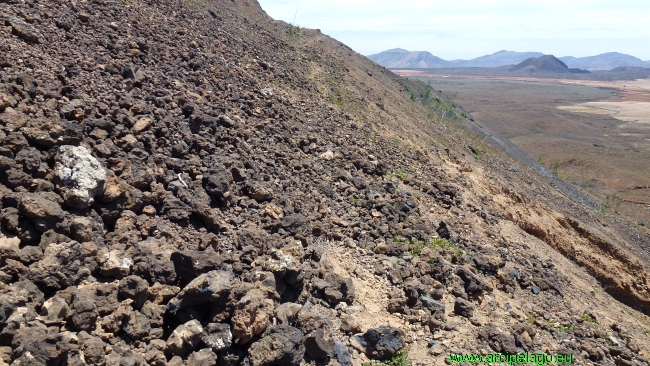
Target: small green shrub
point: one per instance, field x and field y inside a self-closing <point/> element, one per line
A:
<point x="614" y="200"/>
<point x="396" y="173"/>
<point x="446" y="244"/>
<point x="417" y="251"/>
<point x="479" y="153"/>
<point x="587" y="318"/>
<point x="555" y="168"/>
<point x="293" y="31"/>
<point x="531" y="319"/>
<point x="398" y="359"/>
<point x="569" y="329"/>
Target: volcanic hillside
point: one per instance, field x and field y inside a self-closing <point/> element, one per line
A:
<point x="193" y="183"/>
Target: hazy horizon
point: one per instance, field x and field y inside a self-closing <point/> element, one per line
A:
<point x="475" y="28"/>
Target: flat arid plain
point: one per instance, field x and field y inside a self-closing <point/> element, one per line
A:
<point x="594" y="134"/>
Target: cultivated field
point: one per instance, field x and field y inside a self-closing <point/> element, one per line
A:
<point x="595" y="134"/>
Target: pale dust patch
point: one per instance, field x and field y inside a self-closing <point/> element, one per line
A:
<point x="628" y="111"/>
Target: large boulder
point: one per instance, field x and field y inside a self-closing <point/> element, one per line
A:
<point x="204" y="357"/>
<point x="185" y="338"/>
<point x="207" y="287"/>
<point x="134" y="288"/>
<point x="52" y="131"/>
<point x="280" y="345"/>
<point x="382" y="342"/>
<point x="190" y="263"/>
<point x="217" y="336"/>
<point x="463" y="308"/>
<point x="251" y="316"/>
<point x="60" y="266"/>
<point x="53" y="311"/>
<point x="80" y="176"/>
<point x="22" y="29"/>
<point x="319" y="343"/>
<point x="45" y="213"/>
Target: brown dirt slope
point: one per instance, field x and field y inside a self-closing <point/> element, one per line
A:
<point x="192" y="182"/>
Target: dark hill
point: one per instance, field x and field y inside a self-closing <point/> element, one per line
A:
<point x="544" y="64"/>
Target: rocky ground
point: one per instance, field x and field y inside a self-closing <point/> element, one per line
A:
<point x="192" y="183"/>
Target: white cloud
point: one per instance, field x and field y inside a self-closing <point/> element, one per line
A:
<point x="472" y="28"/>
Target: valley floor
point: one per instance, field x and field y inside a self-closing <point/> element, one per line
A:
<point x="594" y="134"/>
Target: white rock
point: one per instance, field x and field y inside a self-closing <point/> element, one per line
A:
<point x="115" y="264"/>
<point x="80" y="176"/>
<point x="185" y="338"/>
<point x="9" y="247"/>
<point x="327" y="155"/>
<point x="53" y="311"/>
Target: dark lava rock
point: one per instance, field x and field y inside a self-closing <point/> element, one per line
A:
<point x="217" y="336"/>
<point x="341" y="354"/>
<point x="217" y="184"/>
<point x="207" y="287"/>
<point x="443" y="230"/>
<point x="319" y="344"/>
<point x="204" y="357"/>
<point x="44" y="212"/>
<point x="383" y="342"/>
<point x="189" y="264"/>
<point x="474" y="286"/>
<point x="463" y="308"/>
<point x="280" y="345"/>
<point x="22" y="30"/>
<point x="431" y="304"/>
<point x="497" y="340"/>
<point x="135" y="288"/>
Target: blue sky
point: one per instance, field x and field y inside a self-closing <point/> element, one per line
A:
<point x="472" y="28"/>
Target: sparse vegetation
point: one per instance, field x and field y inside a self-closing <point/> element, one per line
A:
<point x="555" y="168"/>
<point x="613" y="200"/>
<point x="531" y="319"/>
<point x="396" y="173"/>
<point x="398" y="359"/>
<point x="479" y="153"/>
<point x="587" y="318"/>
<point x="293" y="31"/>
<point x="446" y="244"/>
<point x="418" y="248"/>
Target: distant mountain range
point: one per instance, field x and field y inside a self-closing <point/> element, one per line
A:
<point x="497" y="59"/>
<point x="605" y="61"/>
<point x="400" y="58"/>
